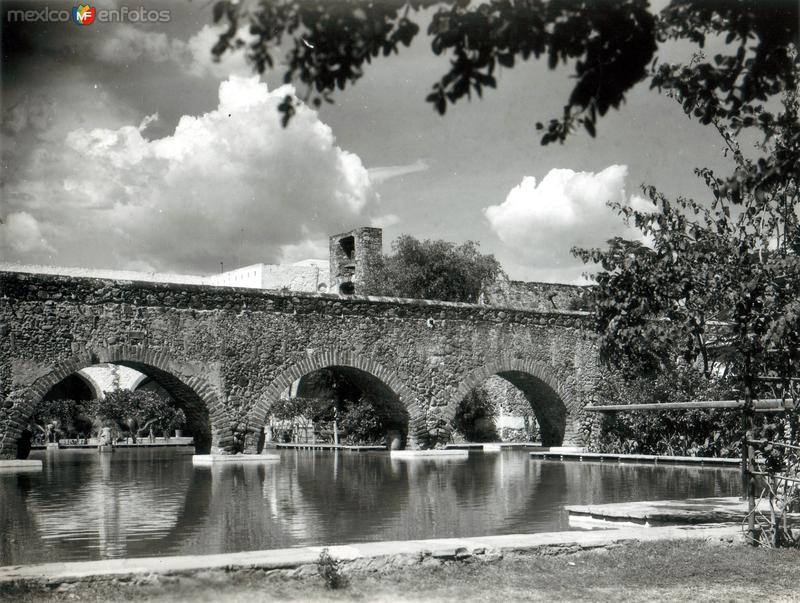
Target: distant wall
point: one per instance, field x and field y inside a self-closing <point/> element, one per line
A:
<point x="296" y="278"/>
<point x="311" y="278"/>
<point x="118" y="275"/>
<point x="247" y="276"/>
<point x="542" y="297"/>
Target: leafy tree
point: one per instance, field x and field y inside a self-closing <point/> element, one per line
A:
<point x="61" y="416"/>
<point x="138" y="411"/>
<point x="610" y="46"/>
<point x="720" y="282"/>
<point x="436" y="270"/>
<point x="345" y="406"/>
<point x="362" y="423"/>
<point x="711" y="433"/>
<point x="474" y="417"/>
<point x="717" y="280"/>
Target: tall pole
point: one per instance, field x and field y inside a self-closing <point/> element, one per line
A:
<point x="748" y="425"/>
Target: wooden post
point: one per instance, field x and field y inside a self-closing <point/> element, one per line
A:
<point x="335" y="425"/>
<point x="748" y="479"/>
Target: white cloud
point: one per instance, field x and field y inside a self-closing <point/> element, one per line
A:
<point x="22" y="235"/>
<point x="201" y="62"/>
<point x="385" y="221"/>
<point x="30" y="114"/>
<point x="383" y="173"/>
<point x="231" y="185"/>
<point x="293" y="253"/>
<point x="538" y="223"/>
<point x="125" y="44"/>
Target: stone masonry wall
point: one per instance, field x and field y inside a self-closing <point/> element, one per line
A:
<point x="544" y="297"/>
<point x="358" y="261"/>
<point x="230" y="352"/>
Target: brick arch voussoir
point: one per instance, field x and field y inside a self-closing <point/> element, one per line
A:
<point x="391" y="378"/>
<point x="116" y="354"/>
<point x="501" y="365"/>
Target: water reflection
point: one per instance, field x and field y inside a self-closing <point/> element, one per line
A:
<point x="153" y="502"/>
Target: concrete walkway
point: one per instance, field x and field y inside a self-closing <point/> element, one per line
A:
<point x="309" y="446"/>
<point x="728" y="509"/>
<point x="635" y="458"/>
<point x="371" y="553"/>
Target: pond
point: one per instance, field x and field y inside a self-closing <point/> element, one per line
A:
<point x="150" y="502"/>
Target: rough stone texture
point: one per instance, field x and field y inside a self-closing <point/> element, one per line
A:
<point x="545" y="297"/>
<point x="226" y="354"/>
<point x="361" y="557"/>
<point x="354" y="260"/>
<point x="514" y="418"/>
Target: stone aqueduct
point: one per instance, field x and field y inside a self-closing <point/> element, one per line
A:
<point x="226" y="354"/>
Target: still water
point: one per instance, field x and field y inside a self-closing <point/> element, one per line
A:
<point x="136" y="503"/>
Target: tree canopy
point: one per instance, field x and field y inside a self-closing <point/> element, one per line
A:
<point x="356" y="413"/>
<point x="137" y="410"/>
<point x="67" y="416"/>
<point x="719" y="279"/>
<point x="611" y="46"/>
<point x="436" y="270"/>
<point x="719" y="282"/>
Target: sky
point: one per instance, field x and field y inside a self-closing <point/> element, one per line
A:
<point x="124" y="146"/>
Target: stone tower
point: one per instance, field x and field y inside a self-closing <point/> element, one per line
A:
<point x="355" y="257"/>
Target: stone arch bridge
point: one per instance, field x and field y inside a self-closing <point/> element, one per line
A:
<point x="226" y="354"/>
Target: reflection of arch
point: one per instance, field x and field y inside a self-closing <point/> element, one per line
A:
<point x="391" y="379"/>
<point x="192" y="393"/>
<point x="192" y="515"/>
<point x="552" y="403"/>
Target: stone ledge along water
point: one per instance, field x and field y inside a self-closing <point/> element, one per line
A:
<point x="447" y="548"/>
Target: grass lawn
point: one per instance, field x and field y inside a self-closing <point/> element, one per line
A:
<point x="659" y="571"/>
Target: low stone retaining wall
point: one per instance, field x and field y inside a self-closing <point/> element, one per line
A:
<point x="368" y="556"/>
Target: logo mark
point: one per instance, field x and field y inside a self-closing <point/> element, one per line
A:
<point x="84" y="14"/>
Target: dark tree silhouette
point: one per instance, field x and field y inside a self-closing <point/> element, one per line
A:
<point x="611" y="46"/>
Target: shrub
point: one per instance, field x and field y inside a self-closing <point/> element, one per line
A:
<point x="707" y="433"/>
<point x="330" y="571"/>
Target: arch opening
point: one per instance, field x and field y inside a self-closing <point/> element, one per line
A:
<point x="77" y="386"/>
<point x="63" y="404"/>
<point x="510" y="402"/>
<point x="338" y="403"/>
<point x="495" y="410"/>
<point x="547" y="405"/>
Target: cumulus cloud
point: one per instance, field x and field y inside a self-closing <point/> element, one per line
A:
<point x="201" y="62"/>
<point x="231" y="185"/>
<point x="538" y="223"/>
<point x="126" y="44"/>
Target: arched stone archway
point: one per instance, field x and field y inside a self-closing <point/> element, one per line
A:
<point x="393" y="380"/>
<point x="198" y="398"/>
<point x="553" y="404"/>
<point x="77" y="386"/>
